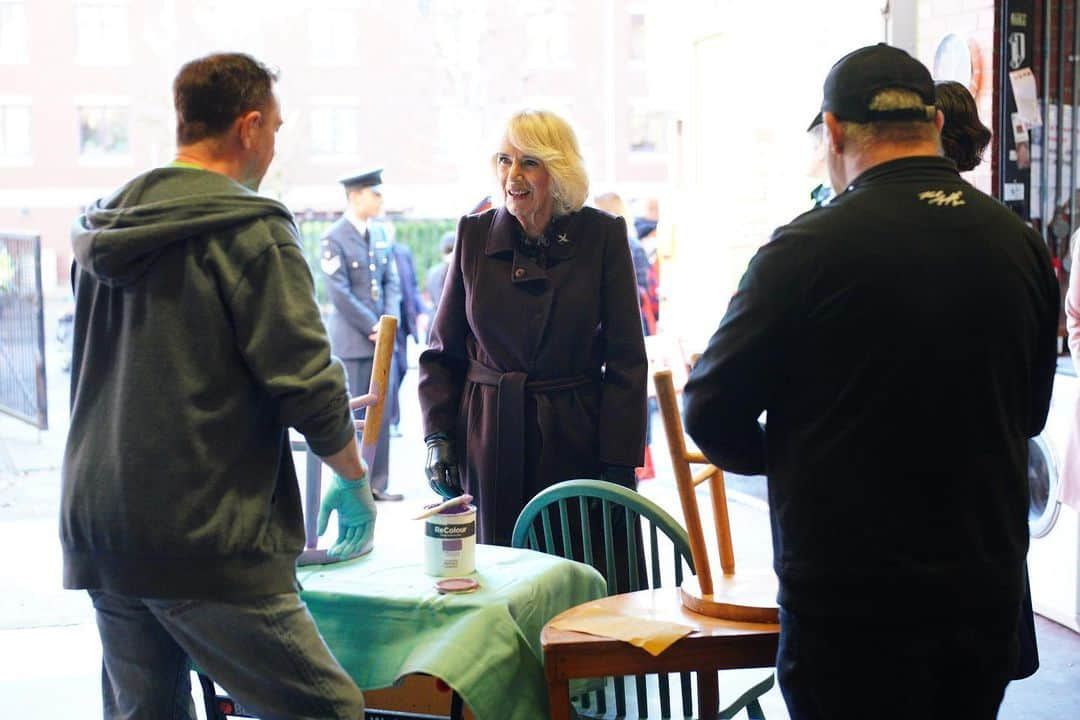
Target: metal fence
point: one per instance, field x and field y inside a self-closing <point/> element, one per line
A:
<point x="23" y="392"/>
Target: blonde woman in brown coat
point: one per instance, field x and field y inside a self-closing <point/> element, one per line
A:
<point x="536" y="368"/>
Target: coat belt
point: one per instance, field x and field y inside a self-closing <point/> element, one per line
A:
<point x="511" y="388"/>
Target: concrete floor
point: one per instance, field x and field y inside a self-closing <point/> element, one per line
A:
<point x="49" y="651"/>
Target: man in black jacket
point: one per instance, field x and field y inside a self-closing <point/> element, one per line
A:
<point x="198" y="344"/>
<point x="902" y="341"/>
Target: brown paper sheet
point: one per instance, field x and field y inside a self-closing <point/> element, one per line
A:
<point x="652" y="636"/>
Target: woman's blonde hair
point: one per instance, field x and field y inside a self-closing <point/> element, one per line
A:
<point x="550" y="139"/>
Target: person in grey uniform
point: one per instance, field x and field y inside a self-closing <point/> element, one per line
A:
<point x="363" y="282"/>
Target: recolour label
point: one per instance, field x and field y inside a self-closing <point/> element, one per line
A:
<point x="451" y="532"/>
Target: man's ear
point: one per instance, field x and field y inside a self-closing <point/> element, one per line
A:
<point x="247" y="126"/>
<point x="939" y="120"/>
<point x="834" y="133"/>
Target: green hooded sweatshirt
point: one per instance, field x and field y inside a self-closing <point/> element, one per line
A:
<point x="198" y="343"/>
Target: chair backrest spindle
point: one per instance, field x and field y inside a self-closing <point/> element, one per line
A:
<point x="564" y="525"/>
<point x="549" y="539"/>
<point x="609" y="550"/>
<point x="586" y="528"/>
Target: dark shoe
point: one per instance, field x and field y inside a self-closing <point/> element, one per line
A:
<point x="381" y="496"/>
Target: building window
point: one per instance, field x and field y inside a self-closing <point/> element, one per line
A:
<point x="104" y="132"/>
<point x="335" y="129"/>
<point x="101" y="33"/>
<point x="14" y="132"/>
<point x="637" y="37"/>
<point x="333" y="36"/>
<point x="648" y="131"/>
<point x="12" y="33"/>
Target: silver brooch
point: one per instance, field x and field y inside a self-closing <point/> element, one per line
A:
<point x="562" y="239"/>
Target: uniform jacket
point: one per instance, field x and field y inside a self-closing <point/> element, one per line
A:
<point x="411" y="302"/>
<point x="198" y="343"/>
<point x="363" y="282"/>
<point x="536" y="369"/>
<point x="902" y="340"/>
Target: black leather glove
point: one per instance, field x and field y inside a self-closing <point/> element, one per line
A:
<point x="441" y="466"/>
<point x="620" y="475"/>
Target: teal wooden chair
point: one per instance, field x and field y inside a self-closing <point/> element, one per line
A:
<point x="561" y="520"/>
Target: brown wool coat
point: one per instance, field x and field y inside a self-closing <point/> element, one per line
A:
<point x="537" y="372"/>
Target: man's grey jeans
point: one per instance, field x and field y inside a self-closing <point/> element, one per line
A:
<point x="265" y="651"/>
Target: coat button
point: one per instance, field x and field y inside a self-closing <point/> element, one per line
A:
<point x="519" y="272"/>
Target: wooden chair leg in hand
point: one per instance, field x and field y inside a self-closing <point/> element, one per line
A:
<point x="369" y="438"/>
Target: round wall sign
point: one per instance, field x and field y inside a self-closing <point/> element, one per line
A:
<point x="957" y="58"/>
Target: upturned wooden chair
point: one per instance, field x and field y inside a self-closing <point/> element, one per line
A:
<point x="748" y="596"/>
<point x="556" y="522"/>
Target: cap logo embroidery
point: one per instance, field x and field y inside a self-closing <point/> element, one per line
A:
<point x="939" y="198"/>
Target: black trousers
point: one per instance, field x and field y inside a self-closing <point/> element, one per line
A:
<point x="359" y="373"/>
<point x="892" y="668"/>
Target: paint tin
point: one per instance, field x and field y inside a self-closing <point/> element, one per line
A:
<point x="450" y="542"/>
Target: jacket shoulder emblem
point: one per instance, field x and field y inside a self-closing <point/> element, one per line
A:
<point x="330" y="263"/>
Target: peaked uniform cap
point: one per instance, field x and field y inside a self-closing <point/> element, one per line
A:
<point x="368" y="178"/>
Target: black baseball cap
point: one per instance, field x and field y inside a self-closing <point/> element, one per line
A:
<point x="855" y="78"/>
<point x="368" y="178"/>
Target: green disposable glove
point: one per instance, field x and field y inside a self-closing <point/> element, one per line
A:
<point x="356" y="515"/>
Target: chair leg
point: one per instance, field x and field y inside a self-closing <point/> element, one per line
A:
<point x="749" y="700"/>
<point x="209" y="693"/>
<point x="754" y="711"/>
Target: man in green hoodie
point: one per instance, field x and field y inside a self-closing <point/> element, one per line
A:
<point x="198" y="344"/>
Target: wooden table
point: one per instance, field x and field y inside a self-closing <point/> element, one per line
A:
<point x="714" y="645"/>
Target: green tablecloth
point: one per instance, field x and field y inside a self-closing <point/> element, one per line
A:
<point x="383" y="619"/>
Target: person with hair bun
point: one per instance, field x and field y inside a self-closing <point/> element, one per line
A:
<point x="963" y="137"/>
<point x="536" y="369"/>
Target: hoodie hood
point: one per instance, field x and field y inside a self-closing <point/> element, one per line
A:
<point x="119" y="237"/>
